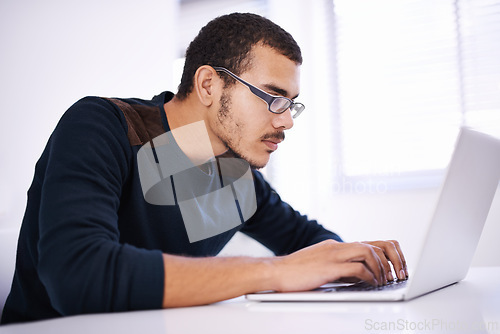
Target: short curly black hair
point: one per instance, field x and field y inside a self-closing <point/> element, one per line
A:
<point x="227" y="40"/>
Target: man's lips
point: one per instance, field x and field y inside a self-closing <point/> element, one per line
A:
<point x="272" y="144"/>
<point x="272" y="140"/>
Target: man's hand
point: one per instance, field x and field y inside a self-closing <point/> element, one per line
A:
<point x="390" y="251"/>
<point x="330" y="261"/>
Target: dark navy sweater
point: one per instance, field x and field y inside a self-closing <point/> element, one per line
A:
<point x="89" y="241"/>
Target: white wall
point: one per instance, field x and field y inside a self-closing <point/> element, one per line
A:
<point x="53" y="53"/>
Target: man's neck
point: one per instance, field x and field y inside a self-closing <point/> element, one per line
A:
<point x="182" y="112"/>
<point x="189" y="125"/>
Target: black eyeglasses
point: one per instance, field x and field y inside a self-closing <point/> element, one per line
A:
<point x="275" y="104"/>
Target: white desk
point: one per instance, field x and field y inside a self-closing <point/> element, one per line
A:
<point x="467" y="307"/>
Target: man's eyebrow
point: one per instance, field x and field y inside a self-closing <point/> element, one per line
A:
<point x="279" y="91"/>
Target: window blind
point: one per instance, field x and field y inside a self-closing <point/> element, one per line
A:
<point x="479" y="23"/>
<point x="409" y="73"/>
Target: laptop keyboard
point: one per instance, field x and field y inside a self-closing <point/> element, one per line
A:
<point x="363" y="286"/>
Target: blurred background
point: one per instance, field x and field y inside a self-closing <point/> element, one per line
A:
<point x="386" y="85"/>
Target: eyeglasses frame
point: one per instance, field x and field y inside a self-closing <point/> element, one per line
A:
<point x="266" y="97"/>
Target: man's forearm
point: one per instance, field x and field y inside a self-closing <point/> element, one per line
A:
<point x="200" y="281"/>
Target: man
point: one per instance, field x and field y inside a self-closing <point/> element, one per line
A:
<point x="96" y="237"/>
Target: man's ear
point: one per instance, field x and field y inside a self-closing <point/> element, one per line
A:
<point x="206" y="83"/>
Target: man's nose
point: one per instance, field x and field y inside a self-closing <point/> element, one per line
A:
<point x="283" y="120"/>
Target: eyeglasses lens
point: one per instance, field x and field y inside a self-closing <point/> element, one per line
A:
<point x="280" y="105"/>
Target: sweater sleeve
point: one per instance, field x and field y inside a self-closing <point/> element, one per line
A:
<point x="278" y="226"/>
<point x="82" y="264"/>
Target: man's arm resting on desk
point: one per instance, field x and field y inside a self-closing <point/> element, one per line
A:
<point x="198" y="281"/>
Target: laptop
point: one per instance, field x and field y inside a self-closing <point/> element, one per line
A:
<point x="465" y="198"/>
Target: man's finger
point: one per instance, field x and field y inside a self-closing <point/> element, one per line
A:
<point x="358" y="270"/>
<point x="385" y="263"/>
<point x="363" y="253"/>
<point x="401" y="255"/>
<point x="393" y="252"/>
<point x="395" y="255"/>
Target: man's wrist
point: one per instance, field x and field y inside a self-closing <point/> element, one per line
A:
<point x="269" y="269"/>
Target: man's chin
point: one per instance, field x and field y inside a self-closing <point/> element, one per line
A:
<point x="258" y="164"/>
<point x="254" y="164"/>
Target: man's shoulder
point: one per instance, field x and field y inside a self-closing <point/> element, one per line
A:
<point x="141" y="118"/>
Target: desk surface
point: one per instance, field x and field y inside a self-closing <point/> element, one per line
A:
<point x="471" y="306"/>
